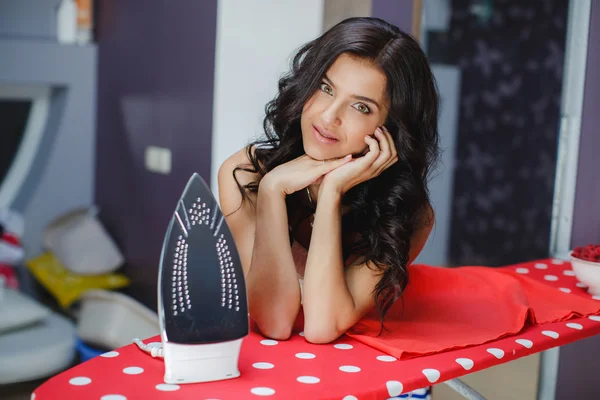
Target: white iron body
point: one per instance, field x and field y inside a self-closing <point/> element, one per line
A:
<point x="185" y="363"/>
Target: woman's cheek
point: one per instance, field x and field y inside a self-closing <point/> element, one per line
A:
<point x="357" y="142"/>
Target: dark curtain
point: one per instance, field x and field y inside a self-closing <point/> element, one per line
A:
<point x="511" y="55"/>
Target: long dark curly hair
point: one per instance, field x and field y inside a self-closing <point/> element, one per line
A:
<point x="384" y="211"/>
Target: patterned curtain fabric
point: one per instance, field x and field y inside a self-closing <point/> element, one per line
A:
<point x="511" y="56"/>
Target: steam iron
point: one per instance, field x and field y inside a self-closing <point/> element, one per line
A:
<point x="202" y="303"/>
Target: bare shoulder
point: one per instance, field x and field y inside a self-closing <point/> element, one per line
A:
<point x="235" y="171"/>
<point x="427" y="217"/>
<point x="421" y="233"/>
<point x="234" y="174"/>
<point x="238" y="159"/>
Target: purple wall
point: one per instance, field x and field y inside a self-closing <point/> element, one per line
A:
<point x="395" y="12"/>
<point x="580" y="361"/>
<point x="586" y="218"/>
<point x="155" y="87"/>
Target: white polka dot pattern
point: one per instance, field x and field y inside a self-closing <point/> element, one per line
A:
<point x="552" y="334"/>
<point x="431" y="374"/>
<point x="166" y="387"/>
<point x="311" y="368"/>
<point x="498" y="353"/>
<point x="343" y="346"/>
<point x="525" y="343"/>
<point x="262" y="391"/>
<point x="133" y="370"/>
<point x="305" y="356"/>
<point x="466" y="363"/>
<point x="394" y="388"/>
<point x="80" y="381"/>
<point x="308" y="379"/>
<point x="263" y="365"/>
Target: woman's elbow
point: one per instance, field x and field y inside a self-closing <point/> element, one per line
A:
<point x="320" y="335"/>
<point x="283" y="333"/>
<point x="276" y="331"/>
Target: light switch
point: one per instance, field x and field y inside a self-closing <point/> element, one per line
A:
<point x="158" y="159"/>
<point x="151" y="159"/>
<point x="165" y="161"/>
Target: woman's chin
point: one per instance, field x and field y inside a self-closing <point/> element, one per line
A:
<point x="314" y="153"/>
<point x="318" y="154"/>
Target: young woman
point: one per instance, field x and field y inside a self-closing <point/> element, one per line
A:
<point x="332" y="206"/>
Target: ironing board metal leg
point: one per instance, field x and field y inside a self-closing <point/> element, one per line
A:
<point x="465" y="390"/>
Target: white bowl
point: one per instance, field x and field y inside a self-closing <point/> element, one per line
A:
<point x="588" y="272"/>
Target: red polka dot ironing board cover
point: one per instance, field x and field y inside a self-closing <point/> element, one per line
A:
<point x="295" y="369"/>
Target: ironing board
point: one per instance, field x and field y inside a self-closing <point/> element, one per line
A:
<point x="346" y="369"/>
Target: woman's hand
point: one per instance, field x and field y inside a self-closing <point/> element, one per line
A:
<point x="297" y="174"/>
<point x="380" y="156"/>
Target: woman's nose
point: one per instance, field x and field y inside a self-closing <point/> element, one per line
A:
<point x="331" y="115"/>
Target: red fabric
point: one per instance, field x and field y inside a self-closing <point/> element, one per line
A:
<point x="451" y="308"/>
<point x="347" y="367"/>
<point x="9" y="275"/>
<point x="10" y="238"/>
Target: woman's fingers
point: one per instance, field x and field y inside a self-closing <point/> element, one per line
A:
<point x="389" y="156"/>
<point x="390" y="162"/>
<point x="390" y="139"/>
<point x="384" y="142"/>
<point x="330" y="165"/>
<point x="385" y="153"/>
<point x="374" y="149"/>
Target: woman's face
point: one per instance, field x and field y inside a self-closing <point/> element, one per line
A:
<point x="350" y="103"/>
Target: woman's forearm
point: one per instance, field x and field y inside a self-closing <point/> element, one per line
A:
<point x="272" y="282"/>
<point x="327" y="299"/>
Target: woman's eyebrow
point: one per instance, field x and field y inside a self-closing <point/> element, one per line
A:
<point x="355" y="96"/>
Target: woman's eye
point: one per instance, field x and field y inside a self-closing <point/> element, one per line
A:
<point x="362" y="108"/>
<point x="326" y="88"/>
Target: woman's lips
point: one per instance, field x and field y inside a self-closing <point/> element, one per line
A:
<point x="322" y="138"/>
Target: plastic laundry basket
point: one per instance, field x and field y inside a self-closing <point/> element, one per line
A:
<point x="38" y="351"/>
<point x="110" y="319"/>
<point x="81" y="243"/>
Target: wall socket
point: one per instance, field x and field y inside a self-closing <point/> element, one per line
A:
<point x="158" y="159"/>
